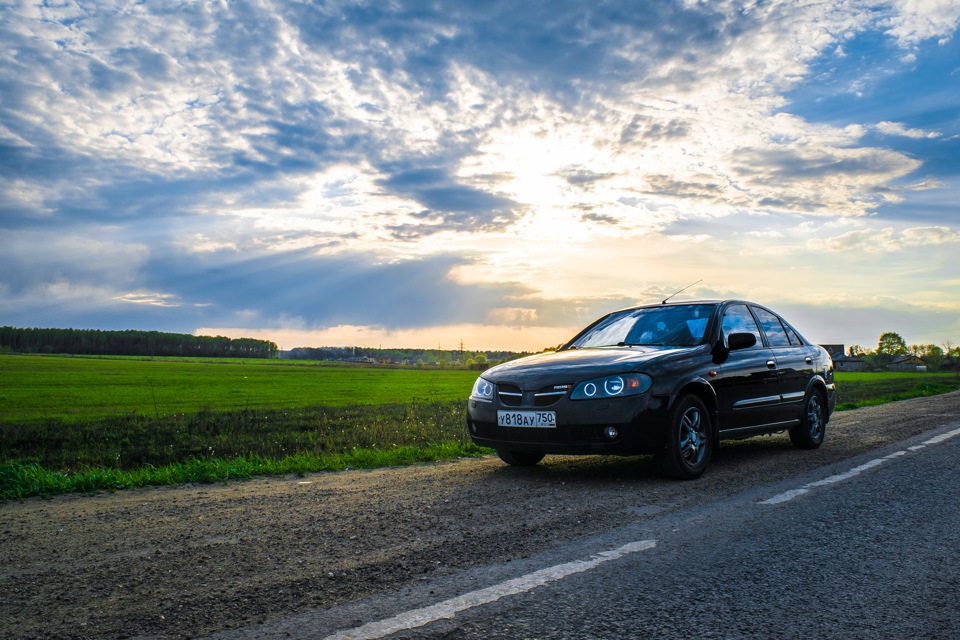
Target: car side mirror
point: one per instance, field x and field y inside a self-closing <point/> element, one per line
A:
<point x="741" y="341"/>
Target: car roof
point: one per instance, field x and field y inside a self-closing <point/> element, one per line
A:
<point x="685" y="303"/>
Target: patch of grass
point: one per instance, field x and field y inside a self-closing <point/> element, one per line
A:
<point x="19" y="481"/>
<point x="133" y="441"/>
<point x="93" y="424"/>
<point x="134" y="450"/>
<point x="81" y="389"/>
<point x="866" y="389"/>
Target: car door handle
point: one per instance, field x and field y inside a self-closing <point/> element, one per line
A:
<point x="771" y="364"/>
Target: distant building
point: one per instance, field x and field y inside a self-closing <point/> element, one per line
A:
<point x="835" y="350"/>
<point x="849" y="363"/>
<point x="908" y="363"/>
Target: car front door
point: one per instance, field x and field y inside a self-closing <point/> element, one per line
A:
<point x="747" y="382"/>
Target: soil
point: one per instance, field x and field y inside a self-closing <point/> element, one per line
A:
<point x="193" y="560"/>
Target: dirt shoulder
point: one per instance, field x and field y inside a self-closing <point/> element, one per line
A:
<point x="193" y="560"/>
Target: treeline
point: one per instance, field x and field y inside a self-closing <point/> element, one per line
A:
<point x="131" y="343"/>
<point x="892" y="348"/>
<point x="415" y="357"/>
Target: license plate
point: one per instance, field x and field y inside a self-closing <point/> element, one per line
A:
<point x="540" y="419"/>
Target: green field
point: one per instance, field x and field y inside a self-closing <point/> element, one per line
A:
<point x="865" y="389"/>
<point x="86" y="424"/>
<point x="77" y="389"/>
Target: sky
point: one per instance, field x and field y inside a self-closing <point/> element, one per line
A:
<point x="395" y="173"/>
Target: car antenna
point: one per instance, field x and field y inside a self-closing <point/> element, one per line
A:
<point x="681" y="290"/>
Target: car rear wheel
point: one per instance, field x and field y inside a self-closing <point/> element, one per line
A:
<point x="689" y="439"/>
<point x="813" y="423"/>
<point x="519" y="458"/>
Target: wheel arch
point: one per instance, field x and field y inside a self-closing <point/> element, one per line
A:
<point x="817" y="384"/>
<point x="706" y="393"/>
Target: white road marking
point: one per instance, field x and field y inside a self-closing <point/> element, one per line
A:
<point x="840" y="477"/>
<point x="449" y="608"/>
<point x="786" y="496"/>
<point x="943" y="436"/>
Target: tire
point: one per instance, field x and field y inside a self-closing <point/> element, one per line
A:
<point x="520" y="458"/>
<point x="689" y="440"/>
<point x="813" y="423"/>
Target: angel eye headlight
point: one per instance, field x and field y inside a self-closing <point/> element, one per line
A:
<point x="482" y="390"/>
<point x="630" y="384"/>
<point x="613" y="386"/>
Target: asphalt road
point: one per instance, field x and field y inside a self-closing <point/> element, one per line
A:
<point x="864" y="548"/>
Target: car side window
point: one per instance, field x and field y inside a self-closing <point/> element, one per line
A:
<point x="772" y="328"/>
<point x="737" y="319"/>
<point x="793" y="335"/>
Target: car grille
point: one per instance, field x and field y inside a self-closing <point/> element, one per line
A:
<point x="547" y="396"/>
<point x="513" y="396"/>
<point x="510" y="395"/>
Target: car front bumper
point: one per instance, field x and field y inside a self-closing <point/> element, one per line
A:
<point x="582" y="427"/>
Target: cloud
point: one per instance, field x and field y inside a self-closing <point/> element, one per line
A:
<point x="645" y="127"/>
<point x="584" y="178"/>
<point x="888" y="240"/>
<point x="922" y="236"/>
<point x="600" y="218"/>
<point x="448" y="204"/>
<point x="897" y="129"/>
<point x="513" y="316"/>
<point x="869" y="241"/>
<point x="917" y="20"/>
<point x="152" y="299"/>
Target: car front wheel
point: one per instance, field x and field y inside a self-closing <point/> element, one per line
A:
<point x="813" y="423"/>
<point x="519" y="458"/>
<point x="689" y="439"/>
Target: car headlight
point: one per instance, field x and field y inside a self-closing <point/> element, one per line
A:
<point x="628" y="384"/>
<point x="482" y="390"/>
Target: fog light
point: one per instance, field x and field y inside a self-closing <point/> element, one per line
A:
<point x="611" y="433"/>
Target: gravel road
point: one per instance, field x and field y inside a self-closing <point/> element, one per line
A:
<point x="193" y="560"/>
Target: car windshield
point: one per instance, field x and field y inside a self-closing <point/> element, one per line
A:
<point x="668" y="325"/>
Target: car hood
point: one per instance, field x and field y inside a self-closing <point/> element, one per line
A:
<point x="576" y="365"/>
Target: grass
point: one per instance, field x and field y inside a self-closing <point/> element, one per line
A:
<point x="866" y="389"/>
<point x="82" y="390"/>
<point x="19" y="480"/>
<point x="108" y="424"/>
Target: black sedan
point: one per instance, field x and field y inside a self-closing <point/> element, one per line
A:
<point x="669" y="379"/>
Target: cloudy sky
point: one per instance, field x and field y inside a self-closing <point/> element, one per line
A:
<point x="408" y="173"/>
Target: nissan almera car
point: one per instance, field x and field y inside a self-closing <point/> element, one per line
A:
<point x="669" y="379"/>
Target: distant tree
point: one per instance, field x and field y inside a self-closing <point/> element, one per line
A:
<point x="950" y="350"/>
<point x="932" y="355"/>
<point x="129" y="342"/>
<point x="856" y="350"/>
<point x="477" y="362"/>
<point x="890" y="346"/>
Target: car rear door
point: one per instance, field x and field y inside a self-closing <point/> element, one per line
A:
<point x="747" y="382"/>
<point x="795" y="361"/>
